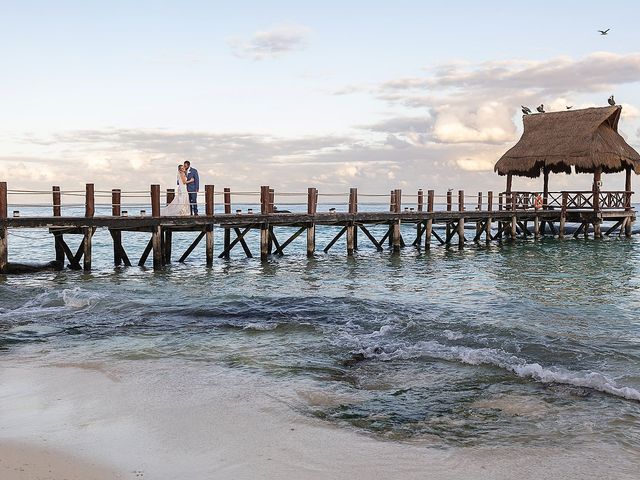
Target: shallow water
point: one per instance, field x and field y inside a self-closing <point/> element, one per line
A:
<point x="531" y="343"/>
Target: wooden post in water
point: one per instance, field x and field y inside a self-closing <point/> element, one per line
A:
<point x="57" y="237"/>
<point x="270" y="209"/>
<point x="429" y="227"/>
<point x="89" y="212"/>
<point x="563" y="214"/>
<point x="168" y="234"/>
<point x="419" y="224"/>
<point x="312" y="208"/>
<point x="396" y="223"/>
<point x="351" y="228"/>
<point x="265" y="198"/>
<point x="156" y="232"/>
<point x="514" y="219"/>
<point x="116" y="235"/>
<point x="487" y="226"/>
<point x="392" y="209"/>
<point x="627" y="201"/>
<point x="461" y="219"/>
<point x="449" y="203"/>
<point x="597" y="221"/>
<point x="4" y="241"/>
<point x="479" y="222"/>
<point x="227" y="211"/>
<point x="209" y="195"/>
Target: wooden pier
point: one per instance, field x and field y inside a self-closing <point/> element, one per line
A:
<point x="443" y="220"/>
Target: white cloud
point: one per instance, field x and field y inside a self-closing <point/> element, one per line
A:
<point x="271" y="43"/>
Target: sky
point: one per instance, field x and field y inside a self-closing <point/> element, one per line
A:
<point x="376" y="95"/>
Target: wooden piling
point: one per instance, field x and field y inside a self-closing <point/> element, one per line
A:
<point x="419" y="229"/>
<point x="461" y="219"/>
<point x="156" y="231"/>
<point x="487" y="226"/>
<point x="265" y="199"/>
<point x="312" y="206"/>
<point x="514" y="220"/>
<point x="395" y="234"/>
<point x="351" y="228"/>
<point x="116" y="235"/>
<point x="227" y="211"/>
<point x="209" y="195"/>
<point x="167" y="234"/>
<point x="429" y="227"/>
<point x="4" y="241"/>
<point x="88" y="232"/>
<point x="597" y="221"/>
<point x="563" y="214"/>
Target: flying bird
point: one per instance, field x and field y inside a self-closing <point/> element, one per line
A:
<point x="611" y="101"/>
<point x="540" y="109"/>
<point x="569" y="107"/>
<point x="604" y="32"/>
<point x="525" y="110"/>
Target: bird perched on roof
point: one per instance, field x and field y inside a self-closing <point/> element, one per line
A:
<point x="525" y="110"/>
<point x="611" y="101"/>
<point x="540" y="109"/>
<point x="604" y="32"/>
<point x="569" y="107"/>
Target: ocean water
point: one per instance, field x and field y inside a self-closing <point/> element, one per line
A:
<point x="532" y="342"/>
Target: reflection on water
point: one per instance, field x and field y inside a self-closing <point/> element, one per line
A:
<point x="533" y="342"/>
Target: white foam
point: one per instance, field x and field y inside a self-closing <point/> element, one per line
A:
<point x="512" y="363"/>
<point x="77" y="298"/>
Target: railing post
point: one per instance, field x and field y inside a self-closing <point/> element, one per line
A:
<point x="418" y="241"/>
<point x="396" y="236"/>
<point x="312" y="208"/>
<point x="461" y="219"/>
<point x="155" y="201"/>
<point x="392" y="201"/>
<point x="209" y="195"/>
<point x="56" y="202"/>
<point x="227" y="211"/>
<point x="597" y="225"/>
<point x="265" y="198"/>
<point x="514" y="220"/>
<point x="116" y="202"/>
<point x="429" y="227"/>
<point x="89" y="203"/>
<point x="4" y="241"/>
<point x="351" y="229"/>
<point x="171" y="194"/>
<point x="487" y="227"/>
<point x="209" y="191"/>
<point x="156" y="232"/>
<point x="563" y="214"/>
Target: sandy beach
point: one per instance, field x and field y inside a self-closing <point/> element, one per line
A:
<point x="167" y="420"/>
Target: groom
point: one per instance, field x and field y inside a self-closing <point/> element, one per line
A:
<point x="193" y="186"/>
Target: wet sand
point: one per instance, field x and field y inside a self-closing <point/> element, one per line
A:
<point x="164" y="419"/>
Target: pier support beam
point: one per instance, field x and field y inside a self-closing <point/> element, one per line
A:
<point x="227" y="231"/>
<point x="265" y="237"/>
<point x="312" y="206"/>
<point x="351" y="227"/>
<point x="396" y="238"/>
<point x="461" y="219"/>
<point x="428" y="229"/>
<point x="209" y="194"/>
<point x="4" y="241"/>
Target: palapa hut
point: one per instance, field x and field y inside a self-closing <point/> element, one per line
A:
<point x="587" y="140"/>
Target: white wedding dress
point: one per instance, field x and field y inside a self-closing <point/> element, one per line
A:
<point x="179" y="206"/>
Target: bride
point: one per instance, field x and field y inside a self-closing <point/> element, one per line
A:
<point x="179" y="206"/>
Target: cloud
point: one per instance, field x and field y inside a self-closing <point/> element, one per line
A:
<point x="271" y="43"/>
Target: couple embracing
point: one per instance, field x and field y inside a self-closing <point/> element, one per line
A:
<point x="186" y="200"/>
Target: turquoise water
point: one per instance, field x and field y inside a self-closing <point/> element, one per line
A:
<point x="531" y="342"/>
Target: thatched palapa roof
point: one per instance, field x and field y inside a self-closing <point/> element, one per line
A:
<point x="584" y="139"/>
